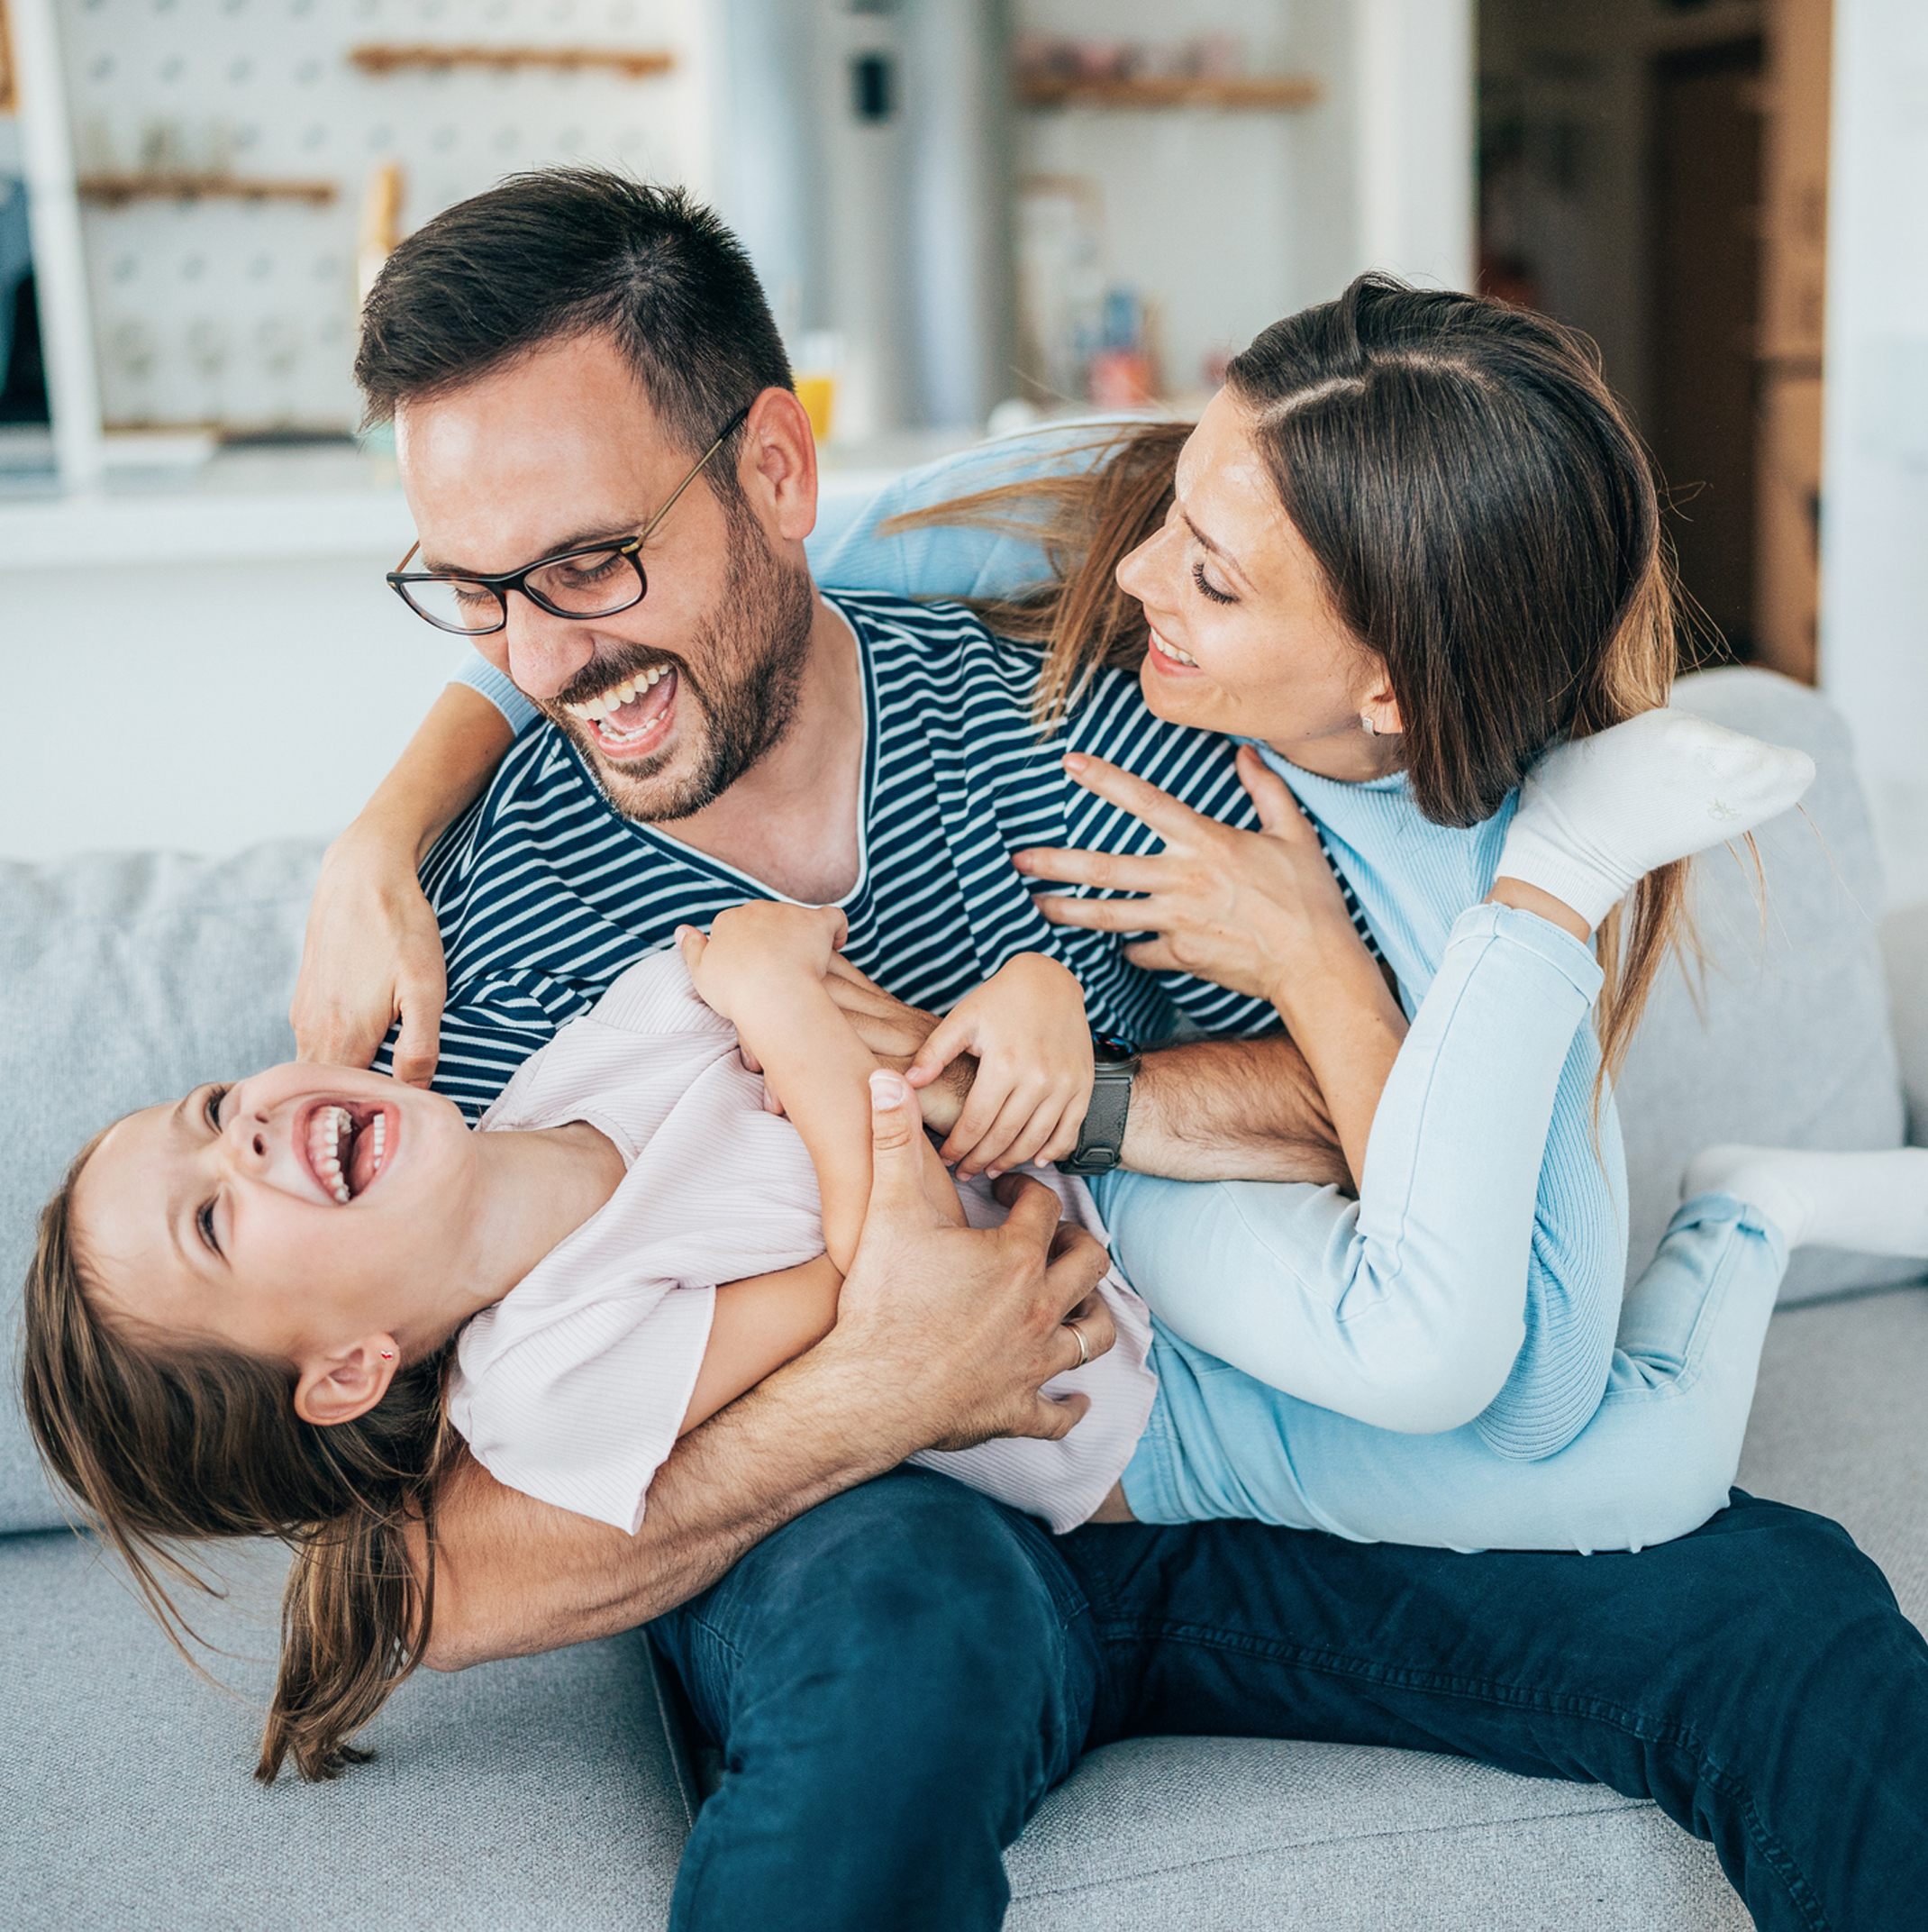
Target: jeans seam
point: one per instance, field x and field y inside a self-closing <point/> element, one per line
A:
<point x="1336" y="1663"/>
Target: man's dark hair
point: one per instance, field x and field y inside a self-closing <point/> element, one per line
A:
<point x="567" y="252"/>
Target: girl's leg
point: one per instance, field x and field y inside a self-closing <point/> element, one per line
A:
<point x="1404" y="1308"/>
<point x="1655" y="1461"/>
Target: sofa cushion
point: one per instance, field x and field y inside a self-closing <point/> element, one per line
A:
<point x="1784" y="1038"/>
<point x="535" y="1794"/>
<point x="125" y="978"/>
<point x="1187" y="1833"/>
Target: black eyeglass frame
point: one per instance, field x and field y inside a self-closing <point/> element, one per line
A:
<point x="401" y="577"/>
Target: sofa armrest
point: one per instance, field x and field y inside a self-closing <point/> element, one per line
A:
<point x="1905" y="950"/>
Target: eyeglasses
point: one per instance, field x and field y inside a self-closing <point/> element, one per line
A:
<point x="597" y="581"/>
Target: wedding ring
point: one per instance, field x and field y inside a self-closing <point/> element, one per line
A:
<point x="1084" y="1351"/>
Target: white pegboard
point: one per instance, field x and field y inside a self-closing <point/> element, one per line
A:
<point x="242" y="314"/>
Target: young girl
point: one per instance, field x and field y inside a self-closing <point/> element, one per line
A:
<point x="259" y="1311"/>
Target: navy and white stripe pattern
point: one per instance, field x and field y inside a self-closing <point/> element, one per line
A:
<point x="545" y="893"/>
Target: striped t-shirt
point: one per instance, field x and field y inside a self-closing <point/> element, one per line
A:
<point x="545" y="893"/>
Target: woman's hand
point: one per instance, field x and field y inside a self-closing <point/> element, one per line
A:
<point x="1026" y="1026"/>
<point x="372" y="955"/>
<point x="1259" y="912"/>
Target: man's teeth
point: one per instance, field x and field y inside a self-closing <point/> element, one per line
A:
<point x="617" y="695"/>
<point x="1172" y="652"/>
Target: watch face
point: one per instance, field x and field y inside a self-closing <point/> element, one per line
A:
<point x="1109" y="1047"/>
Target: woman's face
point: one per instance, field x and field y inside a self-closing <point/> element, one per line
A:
<point x="224" y="1216"/>
<point x="1243" y="636"/>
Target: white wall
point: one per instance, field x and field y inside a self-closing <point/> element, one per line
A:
<point x="1874" y="622"/>
<point x="202" y="707"/>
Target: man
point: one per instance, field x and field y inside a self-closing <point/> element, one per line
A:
<point x="560" y="357"/>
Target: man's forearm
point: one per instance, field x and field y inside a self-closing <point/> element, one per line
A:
<point x="1231" y="1110"/>
<point x="514" y="1576"/>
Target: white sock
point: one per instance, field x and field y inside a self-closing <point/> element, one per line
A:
<point x="1873" y="1203"/>
<point x="1596" y="814"/>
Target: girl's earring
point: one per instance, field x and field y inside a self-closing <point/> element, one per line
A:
<point x="388" y="1354"/>
<point x="1366" y="725"/>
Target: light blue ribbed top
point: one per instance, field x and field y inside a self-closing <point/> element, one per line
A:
<point x="1414" y="878"/>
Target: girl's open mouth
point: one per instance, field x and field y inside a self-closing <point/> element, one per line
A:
<point x="347" y="1147"/>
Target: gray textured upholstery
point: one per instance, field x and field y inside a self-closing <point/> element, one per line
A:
<point x="1905" y="947"/>
<point x="1791" y="1045"/>
<point x="1183" y="1833"/>
<point x="527" y="1795"/>
<point x="125" y="978"/>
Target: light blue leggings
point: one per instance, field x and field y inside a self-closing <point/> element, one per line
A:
<point x="1322" y="1361"/>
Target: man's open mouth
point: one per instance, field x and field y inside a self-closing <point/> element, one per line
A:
<point x="347" y="1147"/>
<point x="629" y="716"/>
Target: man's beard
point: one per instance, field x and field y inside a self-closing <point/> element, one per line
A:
<point x="754" y="648"/>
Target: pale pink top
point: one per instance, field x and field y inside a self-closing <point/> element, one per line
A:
<point x="571" y="1388"/>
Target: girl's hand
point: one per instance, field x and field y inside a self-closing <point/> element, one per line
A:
<point x="758" y="954"/>
<point x="1026" y="1026"/>
<point x="1259" y="912"/>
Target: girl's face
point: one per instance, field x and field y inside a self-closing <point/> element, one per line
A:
<point x="224" y="1214"/>
<point x="1243" y="636"/>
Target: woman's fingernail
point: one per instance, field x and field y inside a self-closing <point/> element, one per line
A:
<point x="888" y="1090"/>
<point x="1075" y="760"/>
<point x="1022" y="860"/>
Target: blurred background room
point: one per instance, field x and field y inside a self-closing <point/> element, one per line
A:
<point x="969" y="214"/>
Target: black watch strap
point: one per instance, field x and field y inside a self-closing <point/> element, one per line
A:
<point x="1101" y="1139"/>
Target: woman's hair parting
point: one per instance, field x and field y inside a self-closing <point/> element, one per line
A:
<point x="1486" y="521"/>
<point x="162" y="1442"/>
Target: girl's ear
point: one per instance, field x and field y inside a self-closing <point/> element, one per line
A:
<point x="349" y="1383"/>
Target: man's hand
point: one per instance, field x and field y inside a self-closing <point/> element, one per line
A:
<point x="944" y="1336"/>
<point x="967" y="1325"/>
<point x="372" y="955"/>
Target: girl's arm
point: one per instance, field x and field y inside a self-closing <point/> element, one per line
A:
<point x="373" y="952"/>
<point x="762" y="968"/>
<point x="760" y="1325"/>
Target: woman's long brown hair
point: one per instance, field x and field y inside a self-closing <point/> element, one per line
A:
<point x="1486" y="523"/>
<point x="160" y="1444"/>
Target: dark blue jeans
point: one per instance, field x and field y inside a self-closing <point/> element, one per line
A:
<point x="897" y="1678"/>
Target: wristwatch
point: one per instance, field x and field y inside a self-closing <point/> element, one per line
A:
<point x="1115" y="1066"/>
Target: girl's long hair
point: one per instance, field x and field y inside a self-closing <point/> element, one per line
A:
<point x="160" y="1444"/>
<point x="1486" y="521"/>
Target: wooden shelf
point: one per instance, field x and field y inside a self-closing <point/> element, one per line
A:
<point x="636" y="63"/>
<point x="117" y="189"/>
<point x="1277" y="93"/>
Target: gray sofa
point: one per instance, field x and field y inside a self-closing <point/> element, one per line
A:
<point x="557" y="1791"/>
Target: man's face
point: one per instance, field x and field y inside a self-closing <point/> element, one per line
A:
<point x="560" y="449"/>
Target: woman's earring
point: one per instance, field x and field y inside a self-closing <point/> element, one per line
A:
<point x="1366" y="725"/>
